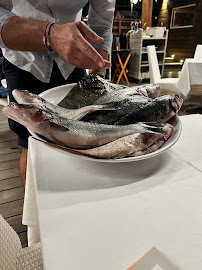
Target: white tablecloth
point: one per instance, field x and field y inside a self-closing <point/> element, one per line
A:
<point x="191" y="74"/>
<point x="95" y="215"/>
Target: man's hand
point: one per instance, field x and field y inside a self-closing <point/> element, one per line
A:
<point x="70" y="41"/>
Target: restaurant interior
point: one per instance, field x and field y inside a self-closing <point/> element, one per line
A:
<point x="155" y="42"/>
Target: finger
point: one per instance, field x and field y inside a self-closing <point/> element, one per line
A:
<point x="85" y="47"/>
<point x="107" y="64"/>
<point x="76" y="62"/>
<point x="80" y="60"/>
<point x="88" y="34"/>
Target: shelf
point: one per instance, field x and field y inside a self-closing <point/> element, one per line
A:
<point x="146" y="65"/>
<point x="154" y="38"/>
<point x="138" y="66"/>
<point x="156" y="52"/>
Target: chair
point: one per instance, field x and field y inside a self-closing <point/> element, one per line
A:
<point x="198" y="52"/>
<point x="12" y="255"/>
<point x="168" y="84"/>
<point x="120" y="66"/>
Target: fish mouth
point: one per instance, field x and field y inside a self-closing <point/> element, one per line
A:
<point x="9" y="110"/>
<point x="23" y="110"/>
<point x="176" y="103"/>
<point x="179" y="101"/>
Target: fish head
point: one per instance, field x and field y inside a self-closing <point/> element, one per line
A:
<point x="24" y="114"/>
<point x="167" y="106"/>
<point x="175" y="102"/>
<point x="153" y="90"/>
<point x="91" y="81"/>
<point x="24" y="96"/>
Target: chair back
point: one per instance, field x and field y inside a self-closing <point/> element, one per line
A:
<point x="154" y="71"/>
<point x="198" y="52"/>
<point x="9" y="246"/>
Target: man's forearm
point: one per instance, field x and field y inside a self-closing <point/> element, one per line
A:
<point x="69" y="41"/>
<point x="23" y="34"/>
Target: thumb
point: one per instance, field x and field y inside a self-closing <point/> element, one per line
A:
<point x="88" y="34"/>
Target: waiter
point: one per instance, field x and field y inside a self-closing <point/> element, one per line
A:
<point x="45" y="45"/>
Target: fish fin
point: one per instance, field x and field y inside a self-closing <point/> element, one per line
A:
<point x="152" y="128"/>
<point x="110" y="106"/>
<point x="27" y="106"/>
<point x="156" y="124"/>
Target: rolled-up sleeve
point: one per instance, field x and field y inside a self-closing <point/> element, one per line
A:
<point x="100" y="20"/>
<point x="5" y="13"/>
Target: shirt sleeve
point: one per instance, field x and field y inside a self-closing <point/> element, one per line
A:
<point x="100" y="20"/>
<point x="5" y="13"/>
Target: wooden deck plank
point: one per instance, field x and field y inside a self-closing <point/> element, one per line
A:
<point x="9" y="150"/>
<point x="23" y="239"/>
<point x="14" y="172"/>
<point x="9" y="144"/>
<point x="11" y="186"/>
<point x="10" y="156"/>
<point x="9" y="164"/>
<point x="16" y="223"/>
<point x="4" y="123"/>
<point x="10" y="195"/>
<point x="11" y="209"/>
<point x="10" y="183"/>
<point x="7" y="136"/>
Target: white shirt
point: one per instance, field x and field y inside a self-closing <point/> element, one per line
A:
<point x="100" y="18"/>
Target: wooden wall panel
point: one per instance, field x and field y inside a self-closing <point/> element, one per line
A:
<point x="182" y="41"/>
<point x="147" y="8"/>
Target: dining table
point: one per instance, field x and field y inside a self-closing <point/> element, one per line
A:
<point x="105" y="215"/>
<point x="190" y="79"/>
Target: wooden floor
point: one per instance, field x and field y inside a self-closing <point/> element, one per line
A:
<point x="11" y="187"/>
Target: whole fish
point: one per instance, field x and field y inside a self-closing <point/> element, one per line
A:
<point x="73" y="133"/>
<point x="141" y="109"/>
<point x="27" y="98"/>
<point x="87" y="91"/>
<point x="162" y="109"/>
<point x="131" y="145"/>
<point x="149" y="90"/>
<point x="123" y="107"/>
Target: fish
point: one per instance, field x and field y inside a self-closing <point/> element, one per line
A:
<point x="162" y="109"/>
<point x="25" y="97"/>
<point x="150" y="91"/>
<point x="140" y="109"/>
<point x="160" y="140"/>
<point x="73" y="133"/>
<point x="87" y="91"/>
<point x="122" y="108"/>
<point x="130" y="146"/>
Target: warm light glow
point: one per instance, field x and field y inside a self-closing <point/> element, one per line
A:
<point x="164" y="5"/>
<point x="173" y="56"/>
<point x="133" y="1"/>
<point x="181" y="61"/>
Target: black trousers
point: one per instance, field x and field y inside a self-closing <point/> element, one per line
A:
<point x="19" y="79"/>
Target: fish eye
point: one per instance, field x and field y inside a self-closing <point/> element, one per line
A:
<point x="177" y="96"/>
